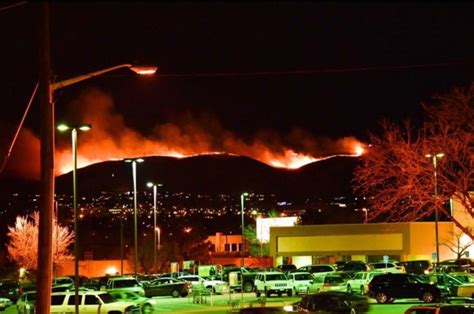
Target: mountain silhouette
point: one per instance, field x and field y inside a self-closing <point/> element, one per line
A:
<point x="216" y="174"/>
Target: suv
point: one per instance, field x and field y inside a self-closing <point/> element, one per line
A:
<point x="125" y="284"/>
<point x="272" y="282"/>
<point x="385" y="288"/>
<point x="352" y="266"/>
<point x="320" y="269"/>
<point x="389" y="267"/>
<point x="10" y="289"/>
<point x="91" y="302"/>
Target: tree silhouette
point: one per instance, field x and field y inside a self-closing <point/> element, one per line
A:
<point x="397" y="178"/>
<point x="23" y="242"/>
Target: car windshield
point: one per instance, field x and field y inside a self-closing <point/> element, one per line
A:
<point x="107" y="298"/>
<point x="276" y="277"/>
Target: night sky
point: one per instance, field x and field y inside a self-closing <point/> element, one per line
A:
<point x="330" y="70"/>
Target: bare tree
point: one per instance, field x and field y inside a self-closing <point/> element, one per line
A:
<point x="397" y="178"/>
<point x="23" y="242"/>
<point x="457" y="244"/>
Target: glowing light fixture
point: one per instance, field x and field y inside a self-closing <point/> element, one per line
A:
<point x="144" y="70"/>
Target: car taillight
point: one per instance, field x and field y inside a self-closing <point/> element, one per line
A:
<point x="20" y="290"/>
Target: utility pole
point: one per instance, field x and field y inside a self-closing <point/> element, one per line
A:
<point x="45" y="238"/>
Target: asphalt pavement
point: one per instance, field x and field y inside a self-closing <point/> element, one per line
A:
<point x="223" y="304"/>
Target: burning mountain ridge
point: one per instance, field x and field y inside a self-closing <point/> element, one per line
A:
<point x="111" y="139"/>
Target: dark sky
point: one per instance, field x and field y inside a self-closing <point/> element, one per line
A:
<point x="331" y="69"/>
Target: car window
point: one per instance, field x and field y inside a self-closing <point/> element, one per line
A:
<point x="303" y="277"/>
<point x="57" y="299"/>
<point x="125" y="283"/>
<point x="91" y="300"/>
<point x="333" y="279"/>
<point x="276" y="277"/>
<point x="358" y="276"/>
<point x="71" y="299"/>
<point x="106" y="298"/>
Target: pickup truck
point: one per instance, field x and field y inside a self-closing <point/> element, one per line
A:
<point x="247" y="274"/>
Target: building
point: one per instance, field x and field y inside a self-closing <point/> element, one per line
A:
<point x="304" y="245"/>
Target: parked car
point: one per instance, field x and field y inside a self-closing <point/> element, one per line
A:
<point x="216" y="286"/>
<point x="386" y="288"/>
<point x="389" y="267"/>
<point x="320" y="269"/>
<point x="444" y="281"/>
<point x="332" y="302"/>
<point x="460" y="264"/>
<point x="286" y="268"/>
<point x="4" y="303"/>
<point x="441" y="309"/>
<point x="352" y="266"/>
<point x="328" y="282"/>
<point x="91" y="302"/>
<point x="26" y="303"/>
<point x="168" y="287"/>
<point x="10" y="289"/>
<point x="417" y="266"/>
<point x="63" y="281"/>
<point x="125" y="284"/>
<point x="300" y="281"/>
<point x="360" y="282"/>
<point x="269" y="283"/>
<point x="146" y="305"/>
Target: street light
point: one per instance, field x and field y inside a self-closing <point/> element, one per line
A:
<point x="73" y="129"/>
<point x="242" y="215"/>
<point x="47" y="126"/>
<point x="155" y="188"/>
<point x="434" y="158"/>
<point x="134" y="162"/>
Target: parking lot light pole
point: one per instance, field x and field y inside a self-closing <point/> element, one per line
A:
<point x="434" y="158"/>
<point x="242" y="196"/>
<point x="155" y="229"/>
<point x="135" y="211"/>
<point x="73" y="129"/>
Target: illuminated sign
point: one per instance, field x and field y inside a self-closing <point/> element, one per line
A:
<point x="264" y="224"/>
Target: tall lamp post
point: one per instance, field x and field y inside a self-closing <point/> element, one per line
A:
<point x="73" y="129"/>
<point x="155" y="188"/>
<point x="242" y="196"/>
<point x="434" y="158"/>
<point x="46" y="90"/>
<point x="135" y="210"/>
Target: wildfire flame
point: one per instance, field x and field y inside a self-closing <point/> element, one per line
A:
<point x="111" y="139"/>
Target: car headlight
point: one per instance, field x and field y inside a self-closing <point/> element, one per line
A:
<point x="152" y="301"/>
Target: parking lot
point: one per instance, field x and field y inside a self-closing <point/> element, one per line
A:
<point x="226" y="303"/>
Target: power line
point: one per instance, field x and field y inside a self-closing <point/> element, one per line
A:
<point x="12" y="5"/>
<point x="303" y="72"/>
